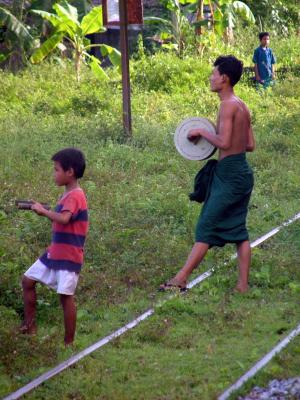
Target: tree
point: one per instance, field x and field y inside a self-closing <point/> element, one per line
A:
<point x="279" y="15"/>
<point x="224" y="14"/>
<point x="220" y="17"/>
<point x="68" y="29"/>
<point x="16" y="40"/>
<point x="174" y="31"/>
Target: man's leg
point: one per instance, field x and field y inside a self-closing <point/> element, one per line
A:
<point x="244" y="258"/>
<point x="195" y="257"/>
<point x="69" y="308"/>
<point x="29" y="297"/>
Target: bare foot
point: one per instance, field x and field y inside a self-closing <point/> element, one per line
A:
<point x="28" y="329"/>
<point x="173" y="284"/>
<point x="241" y="288"/>
<point x="69" y="343"/>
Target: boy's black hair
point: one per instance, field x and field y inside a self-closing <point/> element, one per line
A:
<point x="230" y="66"/>
<point x="71" y="158"/>
<point x="262" y="35"/>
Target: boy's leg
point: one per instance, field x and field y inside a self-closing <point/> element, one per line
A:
<point x="195" y="257"/>
<point x="29" y="297"/>
<point x="69" y="308"/>
<point x="244" y="259"/>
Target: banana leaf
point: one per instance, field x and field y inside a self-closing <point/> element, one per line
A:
<point x="86" y="42"/>
<point x="229" y="17"/>
<point x="166" y="36"/>
<point x="220" y="27"/>
<point x="203" y="22"/>
<point x="184" y="2"/>
<point x="64" y="9"/>
<point x="3" y="57"/>
<point x="244" y="11"/>
<point x="170" y="46"/>
<point x="83" y="7"/>
<point x="190" y="8"/>
<point x="93" y="22"/>
<point x="46" y="47"/>
<point x="157" y="20"/>
<point x="96" y="68"/>
<point x="69" y="17"/>
<point x="52" y="18"/>
<point x="113" y="54"/>
<point x="15" y="26"/>
<point x="171" y="5"/>
<point x="62" y="24"/>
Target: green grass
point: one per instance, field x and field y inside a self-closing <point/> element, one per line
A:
<point x="142" y="227"/>
<point x="196" y="345"/>
<point x="284" y="366"/>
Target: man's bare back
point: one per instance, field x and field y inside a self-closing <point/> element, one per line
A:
<point x="234" y="132"/>
<point x="222" y="222"/>
<point x="234" y="120"/>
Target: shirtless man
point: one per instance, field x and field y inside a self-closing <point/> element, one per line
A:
<point x="223" y="215"/>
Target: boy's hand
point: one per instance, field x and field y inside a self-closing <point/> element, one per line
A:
<point x="38" y="208"/>
<point x="195" y="134"/>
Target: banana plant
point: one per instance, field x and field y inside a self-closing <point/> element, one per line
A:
<point x="200" y="20"/>
<point x="68" y="30"/>
<point x="174" y="31"/>
<point x="16" y="38"/>
<point x="224" y="14"/>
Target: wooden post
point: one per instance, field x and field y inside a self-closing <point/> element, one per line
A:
<point x="125" y="67"/>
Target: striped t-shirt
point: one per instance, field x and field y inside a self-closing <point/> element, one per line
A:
<point x="66" y="249"/>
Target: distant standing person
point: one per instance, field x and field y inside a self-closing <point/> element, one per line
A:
<point x="59" y="266"/>
<point x="223" y="215"/>
<point x="264" y="61"/>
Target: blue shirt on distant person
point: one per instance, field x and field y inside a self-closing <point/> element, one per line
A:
<point x="264" y="59"/>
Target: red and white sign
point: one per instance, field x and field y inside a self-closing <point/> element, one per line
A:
<point x="111" y="12"/>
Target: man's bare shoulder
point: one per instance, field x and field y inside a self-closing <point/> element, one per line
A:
<point x="233" y="105"/>
<point x="228" y="107"/>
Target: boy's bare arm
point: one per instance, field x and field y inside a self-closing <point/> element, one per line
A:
<point x="61" y="218"/>
<point x="223" y="138"/>
<point x="251" y="140"/>
<point x="273" y="71"/>
<point x="257" y="77"/>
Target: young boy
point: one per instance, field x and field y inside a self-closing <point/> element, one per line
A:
<point x="60" y="265"/>
<point x="223" y="215"/>
<point x="264" y="61"/>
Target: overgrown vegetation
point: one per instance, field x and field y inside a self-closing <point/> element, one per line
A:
<point x="67" y="28"/>
<point x="142" y="226"/>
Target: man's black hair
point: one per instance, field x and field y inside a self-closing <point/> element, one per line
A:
<point x="262" y="35"/>
<point x="230" y="66"/>
<point x="71" y="158"/>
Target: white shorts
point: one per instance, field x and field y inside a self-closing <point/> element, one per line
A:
<point x="63" y="281"/>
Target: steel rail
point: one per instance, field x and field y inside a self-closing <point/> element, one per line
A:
<point x="102" y="342"/>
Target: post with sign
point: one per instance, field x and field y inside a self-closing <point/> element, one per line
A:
<point x="124" y="14"/>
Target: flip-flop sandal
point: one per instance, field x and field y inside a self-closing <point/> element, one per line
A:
<point x="170" y="286"/>
<point x="27" y="329"/>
